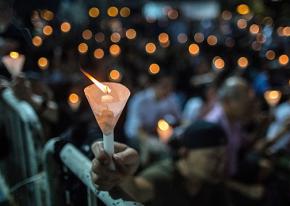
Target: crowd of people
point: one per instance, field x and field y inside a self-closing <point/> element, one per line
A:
<point x="208" y="119"/>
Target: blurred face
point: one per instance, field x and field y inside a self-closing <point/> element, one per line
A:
<point x="238" y="108"/>
<point x="206" y="164"/>
<point x="163" y="87"/>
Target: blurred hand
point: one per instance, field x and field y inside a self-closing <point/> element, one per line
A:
<point x="125" y="159"/>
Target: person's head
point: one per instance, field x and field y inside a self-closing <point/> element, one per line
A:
<point x="201" y="152"/>
<point x="163" y="84"/>
<point x="236" y="97"/>
<point x="6" y="13"/>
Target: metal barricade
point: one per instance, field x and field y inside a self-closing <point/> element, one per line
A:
<point x="21" y="166"/>
<point x="80" y="166"/>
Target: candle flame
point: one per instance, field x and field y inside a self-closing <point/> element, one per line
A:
<point x="101" y="86"/>
<point x="163" y="125"/>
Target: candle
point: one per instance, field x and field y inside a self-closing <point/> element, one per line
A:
<point x="107" y="103"/>
<point x="164" y="130"/>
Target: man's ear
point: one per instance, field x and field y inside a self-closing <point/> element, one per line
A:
<point x="183" y="152"/>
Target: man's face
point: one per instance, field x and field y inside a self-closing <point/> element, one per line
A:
<point x="206" y="164"/>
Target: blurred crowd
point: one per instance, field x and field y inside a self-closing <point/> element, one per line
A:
<point x="218" y="87"/>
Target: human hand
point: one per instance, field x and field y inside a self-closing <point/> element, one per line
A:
<point x="125" y="159"/>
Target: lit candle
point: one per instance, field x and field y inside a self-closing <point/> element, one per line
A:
<point x="107" y="104"/>
<point x="164" y="130"/>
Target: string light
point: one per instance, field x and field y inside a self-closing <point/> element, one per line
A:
<point x="115" y="50"/>
<point x="99" y="53"/>
<point x="65" y="27"/>
<point x="94" y="12"/>
<point x="193" y="49"/>
<point x="150" y="48"/>
<point x="131" y="33"/>
<point x="83" y="48"/>
<point x="37" y="41"/>
<point x="42" y="63"/>
<point x="154" y="68"/>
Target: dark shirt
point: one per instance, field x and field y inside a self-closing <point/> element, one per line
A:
<point x="170" y="188"/>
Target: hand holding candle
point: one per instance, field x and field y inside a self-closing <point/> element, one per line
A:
<point x="107" y="100"/>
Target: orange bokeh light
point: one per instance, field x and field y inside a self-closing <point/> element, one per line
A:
<point x="99" y="53"/>
<point x="270" y="55"/>
<point x="218" y="62"/>
<point x="47" y="30"/>
<point x="83" y="48"/>
<point x="131" y="33"/>
<point x="115" y="50"/>
<point x="115" y="75"/>
<point x="243" y="62"/>
<point x="42" y="63"/>
<point x="94" y="12"/>
<point x="163" y="38"/>
<point x="193" y="49"/>
<point x="212" y="40"/>
<point x="112" y="11"/>
<point x="154" y="68"/>
<point x="125" y="12"/>
<point x="283" y="59"/>
<point x="150" y="48"/>
<point x="65" y="27"/>
<point x="87" y="34"/>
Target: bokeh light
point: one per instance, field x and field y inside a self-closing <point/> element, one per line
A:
<point x="37" y="41"/>
<point x="243" y="9"/>
<point x="270" y="55"/>
<point x="94" y="12"/>
<point x="218" y="62"/>
<point x="131" y="33"/>
<point x="83" y="48"/>
<point x="100" y="37"/>
<point x="182" y="38"/>
<point x="65" y="27"/>
<point x="283" y="59"/>
<point x="112" y="11"/>
<point x="163" y="38"/>
<point x="198" y="37"/>
<point x="99" y="53"/>
<point x="115" y="50"/>
<point x="254" y="29"/>
<point x="125" y="12"/>
<point x="47" y="30"/>
<point x="212" y="40"/>
<point x="150" y="48"/>
<point x="193" y="49"/>
<point x="115" y="37"/>
<point x="242" y="24"/>
<point x="43" y="63"/>
<point x="115" y="75"/>
<point x="154" y="68"/>
<point x="243" y="62"/>
<point x="87" y="34"/>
